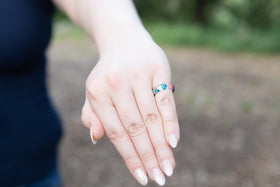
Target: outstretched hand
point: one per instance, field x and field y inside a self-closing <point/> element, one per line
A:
<point x="119" y="99"/>
<point x="120" y="103"/>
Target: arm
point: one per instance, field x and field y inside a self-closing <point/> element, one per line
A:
<point x="107" y="22"/>
<point x="119" y="99"/>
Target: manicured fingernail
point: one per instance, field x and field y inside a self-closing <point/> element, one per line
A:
<point x="91" y="136"/>
<point x="141" y="176"/>
<point x="158" y="176"/>
<point x="173" y="140"/>
<point x="167" y="167"/>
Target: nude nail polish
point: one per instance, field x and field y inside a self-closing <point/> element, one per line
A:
<point x="173" y="140"/>
<point x="91" y="137"/>
<point x="167" y="167"/>
<point x="158" y="176"/>
<point x="141" y="176"/>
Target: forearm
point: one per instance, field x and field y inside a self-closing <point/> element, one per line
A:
<point x="108" y="22"/>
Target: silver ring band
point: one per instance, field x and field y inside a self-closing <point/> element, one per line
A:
<point x="164" y="86"/>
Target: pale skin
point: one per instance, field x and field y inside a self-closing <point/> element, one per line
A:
<point x="119" y="99"/>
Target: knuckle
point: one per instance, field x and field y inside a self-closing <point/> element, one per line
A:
<point x="116" y="135"/>
<point x="165" y="100"/>
<point x="171" y="122"/>
<point x="170" y="126"/>
<point x="125" y="118"/>
<point x="93" y="92"/>
<point x="90" y="84"/>
<point x="152" y="118"/>
<point x="136" y="129"/>
<point x="131" y="160"/>
<point x="163" y="150"/>
<point x="149" y="156"/>
<point x="114" y="79"/>
<point x="162" y="147"/>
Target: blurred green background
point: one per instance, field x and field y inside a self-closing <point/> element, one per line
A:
<point x="227" y="25"/>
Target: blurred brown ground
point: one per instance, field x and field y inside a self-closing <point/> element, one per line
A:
<point x="229" y="111"/>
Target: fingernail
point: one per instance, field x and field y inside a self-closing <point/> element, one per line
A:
<point x="158" y="176"/>
<point x="91" y="137"/>
<point x="167" y="167"/>
<point x="141" y="176"/>
<point x="173" y="140"/>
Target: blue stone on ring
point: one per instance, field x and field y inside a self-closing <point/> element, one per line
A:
<point x="156" y="90"/>
<point x="164" y="86"/>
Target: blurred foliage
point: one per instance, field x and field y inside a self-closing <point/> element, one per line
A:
<point x="235" y="25"/>
<point x="243" y="40"/>
<point x="59" y="15"/>
<point x="232" y="25"/>
<point x="261" y="14"/>
<point x="230" y="14"/>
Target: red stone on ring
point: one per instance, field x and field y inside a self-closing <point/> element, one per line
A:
<point x="172" y="87"/>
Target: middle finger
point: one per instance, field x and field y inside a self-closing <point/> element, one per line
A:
<point x="153" y="120"/>
<point x="135" y="127"/>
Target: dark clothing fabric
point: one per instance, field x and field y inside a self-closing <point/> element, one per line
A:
<point x="30" y="129"/>
<point x="52" y="180"/>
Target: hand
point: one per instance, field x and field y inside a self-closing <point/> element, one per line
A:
<point x="120" y="102"/>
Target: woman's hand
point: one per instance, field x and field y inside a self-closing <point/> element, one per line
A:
<point x="120" y="103"/>
<point x="119" y="98"/>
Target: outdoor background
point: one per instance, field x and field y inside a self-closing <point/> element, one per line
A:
<point x="225" y="59"/>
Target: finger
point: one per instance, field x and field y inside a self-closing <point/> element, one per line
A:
<point x="167" y="108"/>
<point x="118" y="136"/>
<point x="91" y="121"/>
<point x="152" y="118"/>
<point x="135" y="127"/>
<point x="166" y="104"/>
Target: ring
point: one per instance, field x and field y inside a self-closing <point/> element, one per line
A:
<point x="163" y="86"/>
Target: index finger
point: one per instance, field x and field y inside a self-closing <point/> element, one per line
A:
<point x="119" y="137"/>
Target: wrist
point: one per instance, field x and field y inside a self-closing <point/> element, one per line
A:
<point x="126" y="35"/>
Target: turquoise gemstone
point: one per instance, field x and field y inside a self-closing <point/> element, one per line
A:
<point x="164" y="86"/>
<point x="156" y="90"/>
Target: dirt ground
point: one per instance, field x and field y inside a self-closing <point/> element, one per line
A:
<point x="229" y="111"/>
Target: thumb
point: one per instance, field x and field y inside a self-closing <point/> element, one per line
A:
<point x="96" y="128"/>
<point x="91" y="121"/>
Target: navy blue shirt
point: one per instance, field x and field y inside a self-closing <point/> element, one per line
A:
<point x="29" y="127"/>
